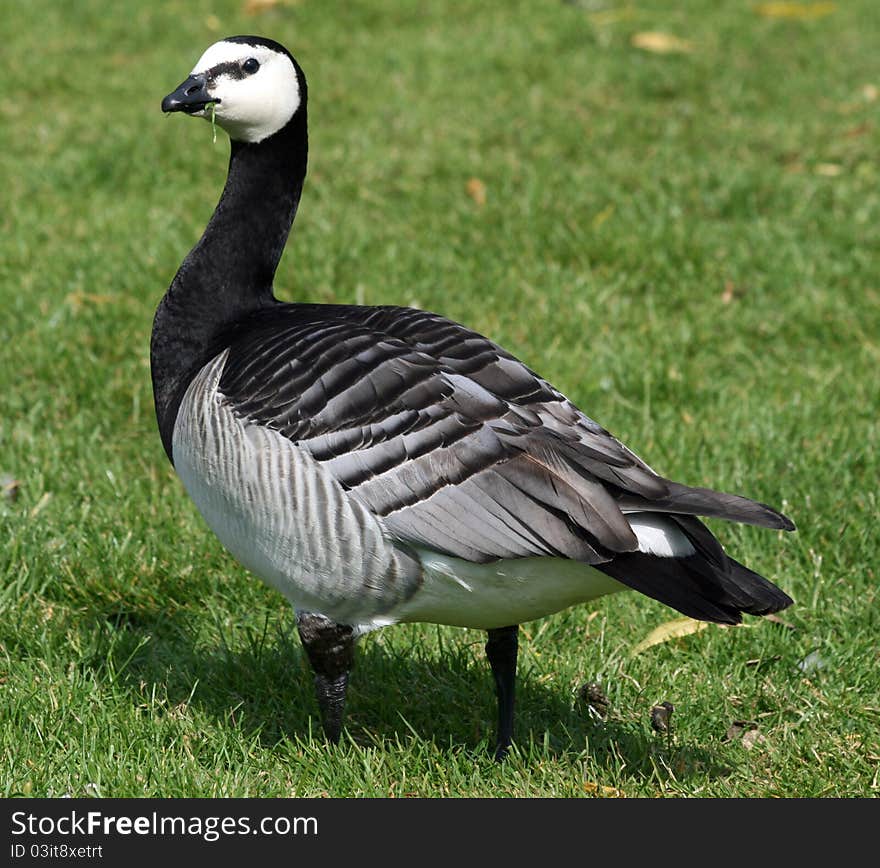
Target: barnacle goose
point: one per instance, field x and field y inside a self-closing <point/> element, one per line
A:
<point x="380" y="465"/>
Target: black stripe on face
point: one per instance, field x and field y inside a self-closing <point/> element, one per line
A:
<point x="230" y="68"/>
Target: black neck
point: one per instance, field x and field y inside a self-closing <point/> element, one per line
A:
<point x="245" y="237"/>
<point x="228" y="274"/>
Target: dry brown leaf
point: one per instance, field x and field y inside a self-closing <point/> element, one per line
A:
<point x="670" y="630"/>
<point x="747" y="732"/>
<point x="40" y="505"/>
<point x="752" y="738"/>
<point x="731" y="292"/>
<point x="601" y="790"/>
<point x="795" y="11"/>
<point x="737" y="728"/>
<point x="602" y="216"/>
<point x="828" y="170"/>
<point x="661" y="43"/>
<point x="476" y="189"/>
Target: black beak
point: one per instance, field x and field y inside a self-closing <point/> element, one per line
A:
<point x="190" y="97"/>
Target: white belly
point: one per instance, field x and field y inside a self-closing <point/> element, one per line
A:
<point x="282" y="515"/>
<point x="501" y="593"/>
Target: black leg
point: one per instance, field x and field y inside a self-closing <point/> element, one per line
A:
<point x="501" y="650"/>
<point x="330" y="649"/>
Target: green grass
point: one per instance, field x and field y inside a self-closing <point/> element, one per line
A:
<point x="687" y="244"/>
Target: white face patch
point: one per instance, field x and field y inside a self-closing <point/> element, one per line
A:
<point x="251" y="106"/>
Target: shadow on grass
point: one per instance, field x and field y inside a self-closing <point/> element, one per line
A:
<point x="263" y="687"/>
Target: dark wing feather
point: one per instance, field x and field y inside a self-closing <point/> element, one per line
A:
<point x="457" y="445"/>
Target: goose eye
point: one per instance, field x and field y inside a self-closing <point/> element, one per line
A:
<point x="251" y="65"/>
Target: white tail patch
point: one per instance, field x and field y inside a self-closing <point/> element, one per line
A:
<point x="658" y="535"/>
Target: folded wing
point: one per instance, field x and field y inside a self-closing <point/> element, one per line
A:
<point x="453" y="442"/>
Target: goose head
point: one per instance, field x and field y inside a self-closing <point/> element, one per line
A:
<point x="253" y="84"/>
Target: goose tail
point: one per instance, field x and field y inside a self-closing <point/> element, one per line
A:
<point x="699" y="579"/>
